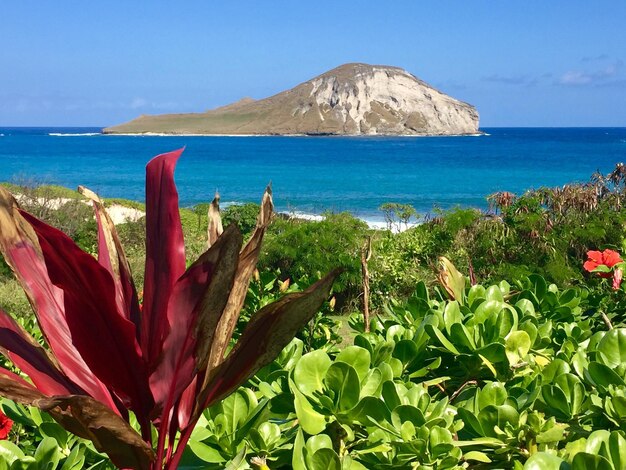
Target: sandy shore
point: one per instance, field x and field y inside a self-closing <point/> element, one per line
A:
<point x="119" y="214"/>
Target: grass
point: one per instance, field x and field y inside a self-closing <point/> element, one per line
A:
<point x="49" y="191"/>
<point x="13" y="300"/>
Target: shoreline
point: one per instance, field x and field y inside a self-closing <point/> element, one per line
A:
<point x="167" y="134"/>
<point x="121" y="214"/>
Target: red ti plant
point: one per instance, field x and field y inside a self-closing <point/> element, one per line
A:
<point x="107" y="357"/>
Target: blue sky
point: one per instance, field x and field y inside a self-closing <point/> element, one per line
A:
<point x="530" y="63"/>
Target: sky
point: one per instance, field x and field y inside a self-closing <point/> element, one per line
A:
<point x="521" y="63"/>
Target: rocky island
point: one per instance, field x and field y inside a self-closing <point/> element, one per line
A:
<point x="353" y="99"/>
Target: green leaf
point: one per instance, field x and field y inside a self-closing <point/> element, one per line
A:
<point x="489" y="365"/>
<point x="539" y="286"/>
<point x="554" y="434"/>
<point x="495" y="352"/>
<point x="452" y="315"/>
<point x="595" y="441"/>
<point x="617" y="450"/>
<point x="297" y="458"/>
<point x="584" y="461"/>
<point x="434" y="332"/>
<point x="54" y="430"/>
<point x="390" y="395"/>
<point x="47" y="454"/>
<point x="315" y="443"/>
<point x="75" y="460"/>
<point x="494" y="293"/>
<point x="235" y="410"/>
<point x="310" y="420"/>
<point x="517" y="345"/>
<point x="205" y="452"/>
<point x="405" y="351"/>
<point x="477" y="456"/>
<point x="342" y="380"/>
<point x="556" y="401"/>
<point x="545" y="461"/>
<point x="574" y="391"/>
<point x="604" y="376"/>
<point x="265" y="436"/>
<point x="499" y="416"/>
<point x="396" y="367"/>
<point x="358" y="358"/>
<point x="10" y="452"/>
<point x="471" y="425"/>
<point x="488" y="310"/>
<point x="325" y="459"/>
<point x="440" y="439"/>
<point x="554" y="369"/>
<point x="475" y="293"/>
<point x="403" y="413"/>
<point x="369" y="407"/>
<point x="612" y="348"/>
<point x="372" y="383"/>
<point x="461" y="336"/>
<point x="310" y="370"/>
<point x="525" y="307"/>
<point x="494" y="393"/>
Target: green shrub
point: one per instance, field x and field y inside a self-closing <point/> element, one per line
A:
<point x="297" y="248"/>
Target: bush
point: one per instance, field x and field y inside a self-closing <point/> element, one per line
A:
<point x="297" y="248"/>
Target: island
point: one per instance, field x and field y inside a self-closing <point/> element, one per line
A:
<point x="353" y="99"/>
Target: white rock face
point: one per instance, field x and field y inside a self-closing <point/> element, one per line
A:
<point x="387" y="100"/>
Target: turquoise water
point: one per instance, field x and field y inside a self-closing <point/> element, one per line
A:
<point x="315" y="174"/>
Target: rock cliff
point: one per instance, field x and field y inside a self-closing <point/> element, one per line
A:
<point x="353" y="99"/>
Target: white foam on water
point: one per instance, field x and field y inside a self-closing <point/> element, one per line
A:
<point x="373" y="224"/>
<point x="86" y="134"/>
<point x="164" y="134"/>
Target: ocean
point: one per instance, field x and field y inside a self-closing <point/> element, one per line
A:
<point x="312" y="175"/>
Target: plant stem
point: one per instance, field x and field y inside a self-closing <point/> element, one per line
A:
<point x="461" y="388"/>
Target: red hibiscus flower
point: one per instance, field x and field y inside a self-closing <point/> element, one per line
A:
<point x="608" y="258"/>
<point x="5" y="426"/>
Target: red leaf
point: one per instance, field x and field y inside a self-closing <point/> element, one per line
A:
<point x="195" y="307"/>
<point x="87" y="418"/>
<point x="91" y="420"/>
<point x="112" y="257"/>
<point x="265" y="336"/>
<point x="32" y="359"/>
<point x="245" y="269"/>
<point x="103" y="337"/>
<point x="21" y="250"/>
<point x="165" y="252"/>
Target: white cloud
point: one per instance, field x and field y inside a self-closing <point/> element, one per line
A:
<point x="598" y="77"/>
<point x="137" y="103"/>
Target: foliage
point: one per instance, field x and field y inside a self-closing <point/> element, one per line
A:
<point x="244" y="215"/>
<point x="113" y="363"/>
<point x="507" y="376"/>
<point x="37" y="441"/>
<point x="397" y="214"/>
<point x="297" y="248"/>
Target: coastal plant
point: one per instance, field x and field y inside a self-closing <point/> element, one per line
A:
<point x="111" y="366"/>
